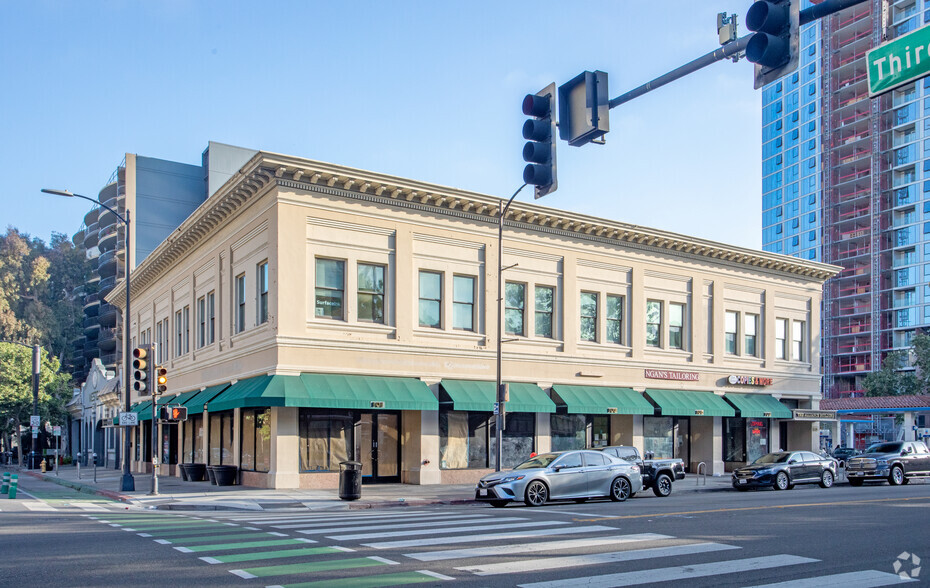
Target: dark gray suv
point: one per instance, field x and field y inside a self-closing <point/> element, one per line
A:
<point x="895" y="461"/>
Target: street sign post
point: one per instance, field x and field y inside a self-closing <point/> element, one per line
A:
<point x="35" y="421"/>
<point x="128" y="419"/>
<point x="899" y="62"/>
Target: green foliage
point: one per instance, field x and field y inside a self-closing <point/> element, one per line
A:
<point x="890" y="381"/>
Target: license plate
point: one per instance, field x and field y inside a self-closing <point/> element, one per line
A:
<point x="482" y="492"/>
<point x="742" y="481"/>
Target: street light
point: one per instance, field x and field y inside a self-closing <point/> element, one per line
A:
<point x="127" y="483"/>
<point x="36" y="374"/>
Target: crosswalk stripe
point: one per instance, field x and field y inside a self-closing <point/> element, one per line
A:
<point x="312" y="567"/>
<point x="376" y="581"/>
<point x="488" y="537"/>
<point x="351" y="520"/>
<point x="172" y="526"/>
<point x="36" y="505"/>
<point x="88" y="506"/>
<point x="556" y="546"/>
<point x="863" y="579"/>
<point x="243" y="545"/>
<point x="241" y="557"/>
<point x="419" y="524"/>
<point x="448" y="529"/>
<point x="206" y="538"/>
<point x="169" y="533"/>
<point x="672" y="574"/>
<point x="528" y="565"/>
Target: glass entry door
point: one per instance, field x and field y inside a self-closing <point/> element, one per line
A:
<point x="377" y="446"/>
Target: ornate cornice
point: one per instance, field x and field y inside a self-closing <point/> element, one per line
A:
<point x="267" y="170"/>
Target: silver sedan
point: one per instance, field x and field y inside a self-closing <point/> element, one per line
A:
<point x="573" y="475"/>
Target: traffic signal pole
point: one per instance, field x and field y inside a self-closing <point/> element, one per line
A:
<point x="729" y="50"/>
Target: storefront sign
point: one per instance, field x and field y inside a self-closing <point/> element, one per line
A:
<point x="377" y="404"/>
<point x="814" y="415"/>
<point x="672" y="375"/>
<point x="611" y="410"/>
<point x="749" y="381"/>
<point x="698" y="412"/>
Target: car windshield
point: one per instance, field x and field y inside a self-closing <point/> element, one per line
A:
<point x="885" y="448"/>
<point x="540" y="461"/>
<point x="780" y="457"/>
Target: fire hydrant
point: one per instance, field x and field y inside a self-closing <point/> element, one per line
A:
<point x="42" y="466"/>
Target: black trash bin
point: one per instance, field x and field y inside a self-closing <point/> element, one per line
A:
<point x="350" y="480"/>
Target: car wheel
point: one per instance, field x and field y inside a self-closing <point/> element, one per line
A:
<point x="620" y="489"/>
<point x="897" y="476"/>
<point x="581" y="500"/>
<point x="663" y="486"/>
<point x="855" y="481"/>
<point x="536" y="494"/>
<point x="826" y="479"/>
<point x="499" y="503"/>
<point x="782" y="482"/>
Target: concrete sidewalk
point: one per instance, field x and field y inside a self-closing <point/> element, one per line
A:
<point x="176" y="494"/>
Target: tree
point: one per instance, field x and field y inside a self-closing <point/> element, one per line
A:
<point x="890" y="380"/>
<point x="16" y="390"/>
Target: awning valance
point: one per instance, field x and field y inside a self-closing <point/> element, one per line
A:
<point x="602" y="400"/>
<point x="690" y="403"/>
<point x="479" y="396"/>
<point x="759" y="406"/>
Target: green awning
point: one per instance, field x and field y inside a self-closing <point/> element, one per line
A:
<point x="602" y="400"/>
<point x="327" y="391"/>
<point x="758" y="406"/>
<point x="146" y="415"/>
<point x="367" y="392"/>
<point x="195" y="400"/>
<point x="141" y="406"/>
<point x="690" y="403"/>
<point x="480" y="397"/>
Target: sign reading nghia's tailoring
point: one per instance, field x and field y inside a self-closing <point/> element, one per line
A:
<point x="899" y="62"/>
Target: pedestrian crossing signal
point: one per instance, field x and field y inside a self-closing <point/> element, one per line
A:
<point x="174" y="413"/>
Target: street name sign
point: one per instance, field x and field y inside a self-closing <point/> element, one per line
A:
<point x="899" y="62"/>
<point x="128" y="419"/>
<point x="34" y="421"/>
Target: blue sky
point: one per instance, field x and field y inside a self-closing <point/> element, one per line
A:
<point x="424" y="90"/>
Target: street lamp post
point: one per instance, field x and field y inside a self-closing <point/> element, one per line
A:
<point x="36" y="374"/>
<point x="127" y="482"/>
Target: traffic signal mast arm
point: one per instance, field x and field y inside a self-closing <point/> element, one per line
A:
<point x="808" y="15"/>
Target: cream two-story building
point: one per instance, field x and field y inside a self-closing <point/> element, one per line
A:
<point x="310" y="314"/>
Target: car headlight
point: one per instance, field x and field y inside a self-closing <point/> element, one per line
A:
<point x="511" y="479"/>
<point x="634" y="468"/>
<point x="881" y="462"/>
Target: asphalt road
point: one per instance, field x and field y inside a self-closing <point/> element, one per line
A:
<point x="840" y="536"/>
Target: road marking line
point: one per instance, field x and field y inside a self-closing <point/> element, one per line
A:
<point x="529" y="565"/>
<point x="672" y="574"/>
<point x="276" y="534"/>
<point x="163" y="541"/>
<point x="184" y="550"/>
<point x="38" y="505"/>
<point x="345" y="549"/>
<point x="313" y="567"/>
<point x="436" y="575"/>
<point x="210" y="560"/>
<point x="369" y="581"/>
<point x="421" y="524"/>
<point x="176" y="533"/>
<point x="207" y="538"/>
<point x="555" y="546"/>
<point x="364" y="520"/>
<point x="407" y="533"/>
<point x="488" y="537"/>
<point x="863" y="579"/>
<point x="143" y="534"/>
<point x="241" y="557"/>
<point x="242" y="574"/>
<point x="384" y="560"/>
<point x="87" y="506"/>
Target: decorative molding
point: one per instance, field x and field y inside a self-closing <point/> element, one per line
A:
<point x="355" y="227"/>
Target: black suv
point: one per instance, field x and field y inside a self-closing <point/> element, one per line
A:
<point x="895" y="461"/>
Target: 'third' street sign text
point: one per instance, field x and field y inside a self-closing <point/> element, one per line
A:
<point x="899" y="62"/>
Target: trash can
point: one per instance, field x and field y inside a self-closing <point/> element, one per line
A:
<point x="350" y="480"/>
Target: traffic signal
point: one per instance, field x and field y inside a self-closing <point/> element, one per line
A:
<point x="141" y="358"/>
<point x="161" y="379"/>
<point x="774" y="46"/>
<point x="173" y="413"/>
<point x="539" y="150"/>
<point x="584" y="109"/>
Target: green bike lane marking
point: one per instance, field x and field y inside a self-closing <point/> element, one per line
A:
<point x="178" y="533"/>
<point x="311" y="567"/>
<point x="244" y="545"/>
<point x="205" y="538"/>
<point x="372" y="581"/>
<point x="178" y="524"/>
<point x="240" y="557"/>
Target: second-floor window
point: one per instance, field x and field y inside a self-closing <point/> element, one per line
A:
<point x="371" y="293"/>
<point x="781" y="328"/>
<point x="543" y="302"/>
<point x="240" y="303"/>
<point x="201" y="321"/>
<point x="186" y="319"/>
<point x="178" y="333"/>
<point x="514" y="308"/>
<point x="211" y="317"/>
<point x="588" y="307"/>
<point x="463" y="303"/>
<point x="750" y="325"/>
<point x="615" y="319"/>
<point x="330" y="288"/>
<point x="430" y="299"/>
<point x="797" y="341"/>
<point x="261" y="279"/>
<point x="676" y="325"/>
<point x="653" y="323"/>
<point x="729" y="336"/>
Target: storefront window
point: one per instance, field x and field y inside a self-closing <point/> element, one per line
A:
<point x="518" y="439"/>
<point x="193" y="440"/>
<point x="658" y="436"/>
<point x="569" y="431"/>
<point x="325" y="436"/>
<point x="734" y="440"/>
<point x="256" y="440"/>
<point x="221" y="438"/>
<point x="463" y="440"/>
<point x="757" y="435"/>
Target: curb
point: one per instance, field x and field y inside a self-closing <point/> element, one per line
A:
<point x="84" y="488"/>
